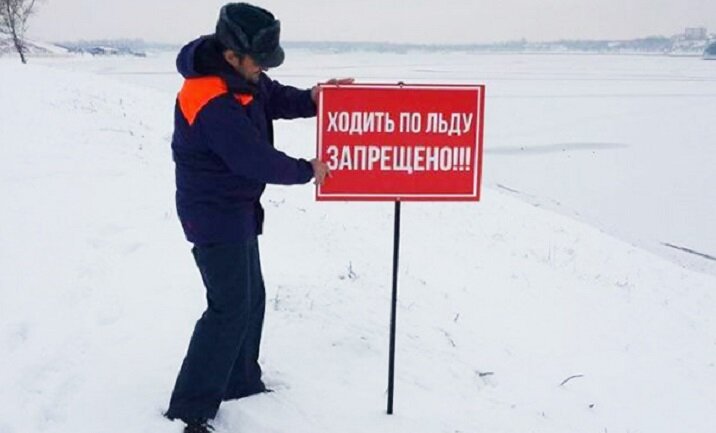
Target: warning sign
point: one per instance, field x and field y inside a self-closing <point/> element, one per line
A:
<point x="401" y="142"/>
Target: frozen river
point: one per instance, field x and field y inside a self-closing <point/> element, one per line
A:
<point x="624" y="143"/>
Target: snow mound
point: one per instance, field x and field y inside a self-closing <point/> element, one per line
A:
<point x="34" y="49"/>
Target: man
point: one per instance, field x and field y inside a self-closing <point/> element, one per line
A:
<point x="224" y="155"/>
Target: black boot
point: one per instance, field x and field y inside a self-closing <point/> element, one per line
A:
<point x="198" y="427"/>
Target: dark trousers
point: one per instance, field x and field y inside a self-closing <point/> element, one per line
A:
<point x="222" y="360"/>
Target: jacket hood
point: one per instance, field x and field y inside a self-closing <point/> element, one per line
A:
<point x="204" y="57"/>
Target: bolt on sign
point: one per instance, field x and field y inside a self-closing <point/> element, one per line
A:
<point x="395" y="142"/>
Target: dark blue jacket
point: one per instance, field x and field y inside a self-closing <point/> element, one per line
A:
<point x="223" y="145"/>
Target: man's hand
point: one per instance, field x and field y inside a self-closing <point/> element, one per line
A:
<point x="320" y="171"/>
<point x="339" y="81"/>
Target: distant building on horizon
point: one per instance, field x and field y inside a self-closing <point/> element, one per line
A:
<point x="696" y="33"/>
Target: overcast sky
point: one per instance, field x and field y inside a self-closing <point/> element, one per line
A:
<point x="420" y="21"/>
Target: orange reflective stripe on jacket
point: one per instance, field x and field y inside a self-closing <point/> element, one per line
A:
<point x="197" y="92"/>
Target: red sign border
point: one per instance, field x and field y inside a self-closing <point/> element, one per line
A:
<point x="475" y="196"/>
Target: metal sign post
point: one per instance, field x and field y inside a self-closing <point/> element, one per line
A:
<point x="394" y="307"/>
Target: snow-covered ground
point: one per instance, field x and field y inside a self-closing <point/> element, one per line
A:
<point x="591" y="162"/>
